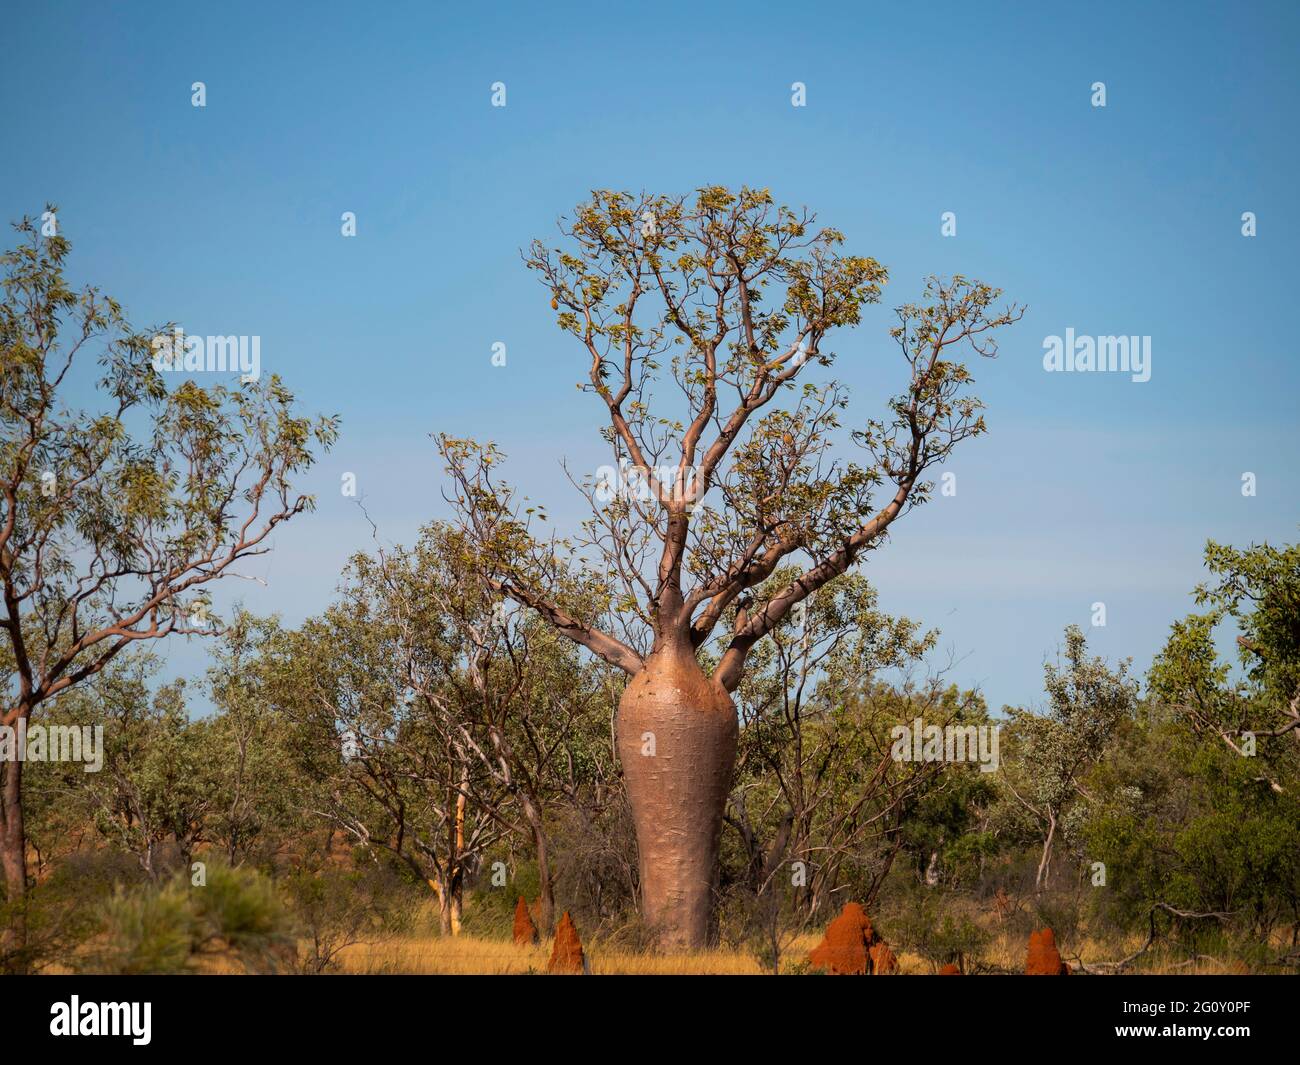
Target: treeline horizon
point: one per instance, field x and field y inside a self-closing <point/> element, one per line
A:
<point x="416" y="758"/>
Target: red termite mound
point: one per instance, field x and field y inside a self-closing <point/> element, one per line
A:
<point x="844" y="950"/>
<point x="851" y="946"/>
<point x="950" y="970"/>
<point x="525" y="932"/>
<point x="1043" y="958"/>
<point x="566" y="955"/>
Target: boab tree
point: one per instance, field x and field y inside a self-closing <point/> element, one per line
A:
<point x="114" y="518"/>
<point x="732" y="299"/>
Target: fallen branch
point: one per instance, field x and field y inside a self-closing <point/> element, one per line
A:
<point x="1114" y="967"/>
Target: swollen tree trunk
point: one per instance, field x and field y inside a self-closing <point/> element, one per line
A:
<point x="677" y="734"/>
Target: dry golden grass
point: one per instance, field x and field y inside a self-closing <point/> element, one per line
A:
<point x="458" y="955"/>
<point x="471" y="955"/>
<point x="468" y="955"/>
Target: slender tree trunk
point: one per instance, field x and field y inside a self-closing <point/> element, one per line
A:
<point x="458" y="876"/>
<point x="1045" y="862"/>
<point x="13" y="855"/>
<point x="546" y="893"/>
<point x="450" y="895"/>
<point x="444" y="906"/>
<point x="457" y="899"/>
<point x="677" y="734"/>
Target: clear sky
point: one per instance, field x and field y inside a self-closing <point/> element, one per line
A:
<point x="1117" y="220"/>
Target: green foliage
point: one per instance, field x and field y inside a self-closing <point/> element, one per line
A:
<point x="61" y="916"/>
<point x="948" y="821"/>
<point x="1050" y="754"/>
<point x="1259" y="587"/>
<point x="1197" y="807"/>
<point x="1258" y="717"/>
<point x="932" y="923"/>
<point x="1086" y="703"/>
<point x="1195" y="830"/>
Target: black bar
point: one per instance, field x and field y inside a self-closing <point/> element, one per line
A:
<point x="486" y="1016"/>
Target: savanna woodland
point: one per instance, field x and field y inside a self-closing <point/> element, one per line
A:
<point x="672" y="731"/>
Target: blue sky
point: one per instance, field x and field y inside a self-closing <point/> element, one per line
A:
<point x="1115" y="220"/>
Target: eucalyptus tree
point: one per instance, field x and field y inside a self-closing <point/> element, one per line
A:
<point x="733" y="302"/>
<point x="153" y="798"/>
<point x="513" y="692"/>
<point x="438" y="723"/>
<point x="1087" y="703"/>
<point x="116" y="515"/>
<point x="378" y="740"/>
<point x="254" y="787"/>
<point x="818" y="790"/>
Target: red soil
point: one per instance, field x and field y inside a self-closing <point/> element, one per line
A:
<point x="950" y="970"/>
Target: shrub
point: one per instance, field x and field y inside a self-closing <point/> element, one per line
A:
<point x="236" y="914"/>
